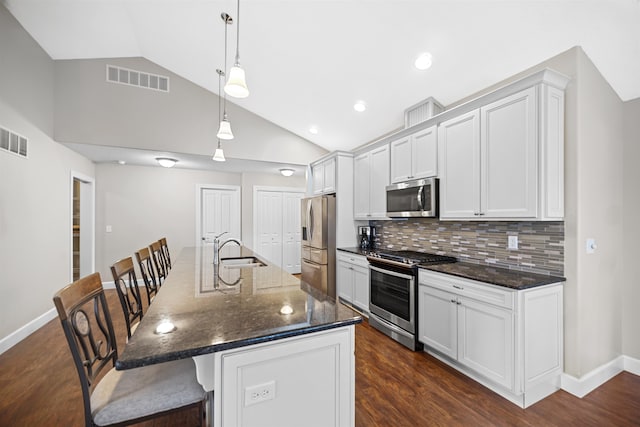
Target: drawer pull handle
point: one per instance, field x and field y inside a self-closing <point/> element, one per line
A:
<point x="458" y="287"/>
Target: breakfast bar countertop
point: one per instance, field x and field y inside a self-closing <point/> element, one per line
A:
<point x="219" y="308"/>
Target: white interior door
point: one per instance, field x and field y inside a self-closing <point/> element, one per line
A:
<point x="219" y="211"/>
<point x="277" y="228"/>
<point x="269" y="211"/>
<point x="292" y="232"/>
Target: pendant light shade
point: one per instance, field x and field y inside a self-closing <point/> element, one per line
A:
<point x="218" y="156"/>
<point x="236" y="83"/>
<point x="224" y="132"/>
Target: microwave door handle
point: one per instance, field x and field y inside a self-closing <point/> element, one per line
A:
<point x="420" y="193"/>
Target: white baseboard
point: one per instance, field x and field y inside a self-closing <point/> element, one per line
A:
<point x="631" y="365"/>
<point x="15" y="337"/>
<point x="586" y="384"/>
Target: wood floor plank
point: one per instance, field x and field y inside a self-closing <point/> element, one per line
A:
<point x="394" y="387"/>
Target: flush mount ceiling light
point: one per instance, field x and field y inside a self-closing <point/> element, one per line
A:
<point x="313" y="130"/>
<point x="166" y="162"/>
<point x="224" y="131"/>
<point x="423" y="61"/>
<point x="287" y="172"/>
<point x="236" y="84"/>
<point x="360" y="106"/>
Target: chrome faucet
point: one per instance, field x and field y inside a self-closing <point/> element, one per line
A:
<point x="217" y="246"/>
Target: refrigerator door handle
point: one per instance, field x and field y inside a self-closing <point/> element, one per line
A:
<point x="310" y="222"/>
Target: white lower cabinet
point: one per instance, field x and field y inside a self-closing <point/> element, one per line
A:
<point x="509" y="340"/>
<point x="352" y="280"/>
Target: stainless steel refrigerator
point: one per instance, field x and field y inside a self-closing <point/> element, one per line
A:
<point x="319" y="243"/>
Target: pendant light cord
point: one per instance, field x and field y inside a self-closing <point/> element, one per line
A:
<point x="226" y="24"/>
<point x="238" y="35"/>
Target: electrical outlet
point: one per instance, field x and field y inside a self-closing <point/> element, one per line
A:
<point x="513" y="242"/>
<point x="259" y="393"/>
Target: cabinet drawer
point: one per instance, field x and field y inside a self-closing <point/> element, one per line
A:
<point x="353" y="259"/>
<point x="478" y="291"/>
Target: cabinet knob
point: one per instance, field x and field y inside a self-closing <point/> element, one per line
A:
<point x="453" y="301"/>
<point x="458" y="302"/>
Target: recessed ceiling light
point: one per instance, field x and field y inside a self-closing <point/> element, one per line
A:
<point x="313" y="130"/>
<point x="360" y="106"/>
<point x="166" y="162"/>
<point x="122" y="162"/>
<point x="423" y="61"/>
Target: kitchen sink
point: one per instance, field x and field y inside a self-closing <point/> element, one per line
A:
<point x="241" y="262"/>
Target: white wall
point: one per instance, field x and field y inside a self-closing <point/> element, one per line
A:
<point x="631" y="225"/>
<point x="35" y="193"/>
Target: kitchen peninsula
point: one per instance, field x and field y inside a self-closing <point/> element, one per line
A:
<point x="273" y="350"/>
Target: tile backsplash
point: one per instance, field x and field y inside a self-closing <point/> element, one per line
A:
<point x="540" y="244"/>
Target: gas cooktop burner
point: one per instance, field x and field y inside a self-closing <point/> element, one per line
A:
<point x="412" y="257"/>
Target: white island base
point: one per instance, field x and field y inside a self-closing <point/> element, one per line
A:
<point x="305" y="380"/>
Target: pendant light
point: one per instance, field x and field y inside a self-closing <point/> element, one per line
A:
<point x="218" y="156"/>
<point x="224" y="132"/>
<point x="236" y="83"/>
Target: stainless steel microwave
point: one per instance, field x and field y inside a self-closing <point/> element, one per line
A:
<point x="418" y="198"/>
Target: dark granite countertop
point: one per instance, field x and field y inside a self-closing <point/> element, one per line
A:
<point x="357" y="251"/>
<point x="512" y="279"/>
<point x="229" y="308"/>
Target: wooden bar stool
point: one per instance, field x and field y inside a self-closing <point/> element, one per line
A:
<point x="124" y="277"/>
<point x="143" y="256"/>
<point x="158" y="261"/>
<point x="119" y="397"/>
<point x="165" y="252"/>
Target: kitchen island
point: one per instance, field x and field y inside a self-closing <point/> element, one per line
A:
<point x="273" y="350"/>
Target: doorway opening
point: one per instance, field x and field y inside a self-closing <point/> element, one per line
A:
<point x="82" y="226"/>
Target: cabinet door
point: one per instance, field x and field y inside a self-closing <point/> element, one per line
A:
<point x="344" y="281"/>
<point x="437" y="320"/>
<point x="459" y="151"/>
<point x="329" y="185"/>
<point x="424" y="157"/>
<point x="361" y="287"/>
<point x="509" y="152"/>
<point x="318" y="178"/>
<point x="379" y="179"/>
<point x="401" y="163"/>
<point x="361" y="186"/>
<point x="485" y="340"/>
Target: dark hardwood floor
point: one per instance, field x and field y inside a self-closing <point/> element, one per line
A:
<point x="394" y="387"/>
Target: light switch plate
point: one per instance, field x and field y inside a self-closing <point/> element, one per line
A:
<point x="513" y="242"/>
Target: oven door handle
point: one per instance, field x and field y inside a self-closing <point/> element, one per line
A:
<point x="391" y="273"/>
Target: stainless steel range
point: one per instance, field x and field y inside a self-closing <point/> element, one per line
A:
<point x="393" y="290"/>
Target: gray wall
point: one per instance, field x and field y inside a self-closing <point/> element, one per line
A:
<point x="143" y="204"/>
<point x="35" y="193"/>
<point x="631" y="225"/>
<point x="90" y="110"/>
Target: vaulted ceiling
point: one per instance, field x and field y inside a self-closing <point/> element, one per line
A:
<point x="309" y="61"/>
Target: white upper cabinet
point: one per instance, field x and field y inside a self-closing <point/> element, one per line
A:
<point x="415" y="156"/>
<point x="504" y="160"/>
<point x="371" y="177"/>
<point x="324" y="176"/>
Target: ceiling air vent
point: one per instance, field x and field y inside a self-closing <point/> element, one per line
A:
<point x="12" y="142"/>
<point x="137" y="78"/>
<point x="422" y="111"/>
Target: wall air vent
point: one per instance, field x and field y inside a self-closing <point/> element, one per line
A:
<point x="422" y="111"/>
<point x="141" y="79"/>
<point x="12" y="142"/>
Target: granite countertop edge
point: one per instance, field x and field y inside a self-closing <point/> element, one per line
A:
<point x="168" y="357"/>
